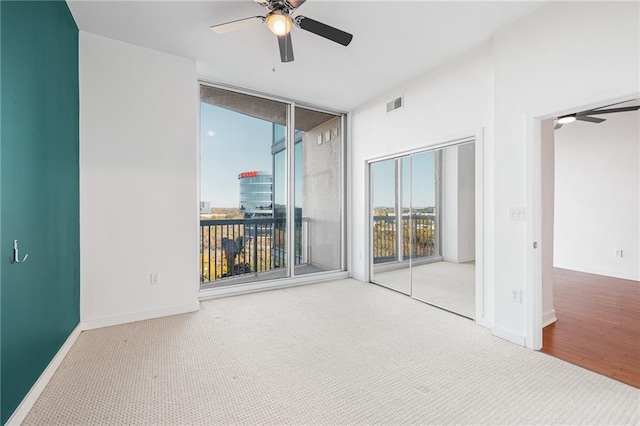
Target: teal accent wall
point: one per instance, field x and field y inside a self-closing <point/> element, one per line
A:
<point x="39" y="190"/>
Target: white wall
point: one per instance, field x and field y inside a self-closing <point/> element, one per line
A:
<point x="458" y="203"/>
<point x="562" y="55"/>
<point x="453" y="101"/>
<point x="138" y="133"/>
<point x="598" y="196"/>
<point x="449" y="208"/>
<point x="466" y="203"/>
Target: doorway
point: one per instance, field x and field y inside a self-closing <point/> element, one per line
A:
<point x="423" y="225"/>
<point x="590" y="244"/>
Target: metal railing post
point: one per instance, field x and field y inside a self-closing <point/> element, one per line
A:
<point x="255" y="248"/>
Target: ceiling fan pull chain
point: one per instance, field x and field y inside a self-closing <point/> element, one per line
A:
<point x="274" y="52"/>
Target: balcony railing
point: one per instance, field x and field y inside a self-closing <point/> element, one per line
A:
<point x="237" y="247"/>
<point x="418" y="238"/>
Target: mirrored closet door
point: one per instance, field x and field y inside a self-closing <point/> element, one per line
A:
<point x="423" y="226"/>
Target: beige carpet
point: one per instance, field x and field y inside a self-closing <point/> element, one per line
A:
<point x="335" y="353"/>
<point x="448" y="285"/>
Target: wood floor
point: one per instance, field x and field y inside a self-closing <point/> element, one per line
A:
<point x="598" y="325"/>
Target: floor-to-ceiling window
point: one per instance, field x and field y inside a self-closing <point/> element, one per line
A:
<point x="271" y="189"/>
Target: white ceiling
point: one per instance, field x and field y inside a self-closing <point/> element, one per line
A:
<point x="393" y="41"/>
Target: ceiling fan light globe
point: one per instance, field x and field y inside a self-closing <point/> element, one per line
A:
<point x="279" y="23"/>
<point x="567" y="119"/>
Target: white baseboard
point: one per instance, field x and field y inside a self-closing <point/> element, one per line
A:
<point x="139" y="316"/>
<point x="25" y="406"/>
<point x="483" y="322"/>
<point x="549" y="317"/>
<point x="602" y="272"/>
<point x="509" y="335"/>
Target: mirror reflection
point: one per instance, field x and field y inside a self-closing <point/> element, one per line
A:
<point x="423" y="226"/>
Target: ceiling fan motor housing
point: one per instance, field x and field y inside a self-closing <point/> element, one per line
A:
<point x="280" y="22"/>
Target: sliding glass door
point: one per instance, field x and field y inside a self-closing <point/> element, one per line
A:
<point x="271" y="189"/>
<point x="391" y="260"/>
<point x="423" y="226"/>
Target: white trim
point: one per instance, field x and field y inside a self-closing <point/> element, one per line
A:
<point x="348" y="202"/>
<point x="508" y="335"/>
<point x="480" y="314"/>
<point x="549" y="317"/>
<point x="32" y="396"/>
<point x="533" y="262"/>
<point x="238" y="289"/>
<point x="198" y="182"/>
<point x="290" y="188"/>
<point x="458" y="139"/>
<point x="139" y="316"/>
<point x="602" y="272"/>
<point x="368" y="236"/>
<point x="344" y="209"/>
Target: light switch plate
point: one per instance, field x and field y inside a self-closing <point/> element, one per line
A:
<point x="516" y="213"/>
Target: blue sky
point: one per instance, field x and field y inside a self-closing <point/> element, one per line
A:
<point x="423" y="192"/>
<point x="231" y="143"/>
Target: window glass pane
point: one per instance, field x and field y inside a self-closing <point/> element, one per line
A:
<point x="318" y="191"/>
<point x="424" y="205"/>
<point x="242" y="188"/>
<point x="383" y="176"/>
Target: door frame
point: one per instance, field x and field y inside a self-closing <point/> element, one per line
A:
<point x="483" y="314"/>
<point x="533" y="239"/>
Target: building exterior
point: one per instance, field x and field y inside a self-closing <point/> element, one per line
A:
<point x="256" y="194"/>
<point x="205" y="207"/>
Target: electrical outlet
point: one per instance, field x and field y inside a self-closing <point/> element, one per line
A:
<point x="619" y="253"/>
<point x="155" y="278"/>
<point x="516" y="295"/>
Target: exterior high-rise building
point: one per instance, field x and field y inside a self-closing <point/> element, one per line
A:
<point x="256" y="194"/>
<point x="205" y="207"/>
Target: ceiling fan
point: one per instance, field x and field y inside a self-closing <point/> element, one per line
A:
<point x="279" y="21"/>
<point x="586" y="115"/>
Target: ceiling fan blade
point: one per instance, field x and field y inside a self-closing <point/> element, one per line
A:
<point x="557" y="126"/>
<point x="239" y="24"/>
<point x="609" y="111"/>
<point x="286" y="48"/>
<point x="589" y="119"/>
<point x="324" y="30"/>
<point x="295" y="3"/>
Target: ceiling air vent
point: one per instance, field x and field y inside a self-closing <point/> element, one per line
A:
<point x="394" y="104"/>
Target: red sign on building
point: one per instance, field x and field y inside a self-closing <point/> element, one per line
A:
<point x="247" y="175"/>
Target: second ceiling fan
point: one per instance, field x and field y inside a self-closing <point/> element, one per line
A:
<point x="587" y="115"/>
<point x="279" y="21"/>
